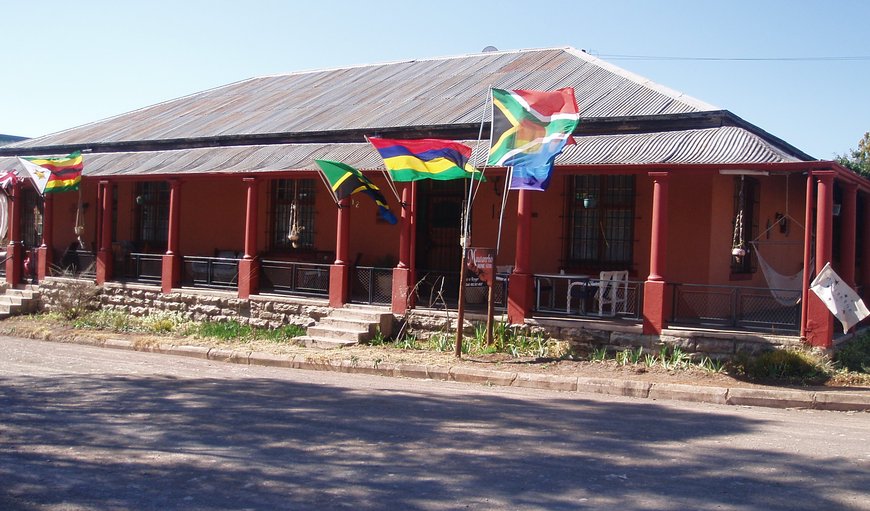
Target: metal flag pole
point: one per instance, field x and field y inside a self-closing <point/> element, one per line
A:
<point x="508" y="177"/>
<point x="465" y="235"/>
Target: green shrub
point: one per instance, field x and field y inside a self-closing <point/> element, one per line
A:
<point x="163" y="322"/>
<point x="225" y="330"/>
<point x="855" y="356"/>
<point x="794" y="365"/>
<point x="110" y="320"/>
<point x="76" y="298"/>
<point x="280" y="334"/>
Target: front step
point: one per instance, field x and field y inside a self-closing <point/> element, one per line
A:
<point x="348" y="326"/>
<point x="23" y="300"/>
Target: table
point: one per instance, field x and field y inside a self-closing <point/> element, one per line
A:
<point x="552" y="279"/>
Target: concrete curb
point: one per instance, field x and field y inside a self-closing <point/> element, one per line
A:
<point x="844" y="401"/>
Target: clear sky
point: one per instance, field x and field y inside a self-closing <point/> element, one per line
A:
<point x="67" y="63"/>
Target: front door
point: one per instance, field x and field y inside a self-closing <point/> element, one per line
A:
<point x="438" y="224"/>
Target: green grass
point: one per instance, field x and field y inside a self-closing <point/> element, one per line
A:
<point x="171" y="323"/>
<point x="855" y="356"/>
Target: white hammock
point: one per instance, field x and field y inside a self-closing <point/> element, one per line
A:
<point x="4" y="217"/>
<point x="786" y="289"/>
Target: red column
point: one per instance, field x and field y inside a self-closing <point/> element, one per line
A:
<point x="339" y="272"/>
<point x="43" y="268"/>
<point x="522" y="281"/>
<point x="248" y="266"/>
<point x="104" y="252"/>
<point x="655" y="303"/>
<point x="402" y="272"/>
<point x="171" y="275"/>
<point x="848" y="233"/>
<point x="820" y="321"/>
<point x="15" y="252"/>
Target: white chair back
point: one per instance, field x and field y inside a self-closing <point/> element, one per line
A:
<point x="612" y="292"/>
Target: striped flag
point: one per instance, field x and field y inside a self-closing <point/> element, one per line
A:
<point x="425" y="158"/>
<point x="53" y="175"/>
<point x="345" y="181"/>
<point x="8" y="178"/>
<point x="529" y="129"/>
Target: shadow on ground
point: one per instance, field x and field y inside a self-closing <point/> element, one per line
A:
<point x="80" y="442"/>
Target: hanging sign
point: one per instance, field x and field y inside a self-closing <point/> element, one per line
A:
<point x="479" y="267"/>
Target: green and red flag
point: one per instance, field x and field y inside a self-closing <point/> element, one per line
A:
<point x="53" y="175"/>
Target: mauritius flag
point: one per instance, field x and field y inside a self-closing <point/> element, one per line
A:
<point x="345" y="181"/>
<point x="529" y="129"/>
<point x="425" y="158"/>
<point x="53" y="175"/>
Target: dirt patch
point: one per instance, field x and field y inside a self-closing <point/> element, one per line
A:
<point x="29" y="327"/>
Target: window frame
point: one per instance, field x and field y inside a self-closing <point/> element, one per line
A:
<point x="608" y="220"/>
<point x="283" y="192"/>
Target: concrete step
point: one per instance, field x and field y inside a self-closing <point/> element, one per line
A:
<point x="322" y="342"/>
<point x="10" y="309"/>
<point x="342" y="323"/>
<point x="377" y="316"/>
<point x="29" y="294"/>
<point x="12" y="299"/>
<point x="339" y="334"/>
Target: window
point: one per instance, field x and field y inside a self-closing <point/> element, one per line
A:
<point x="152" y="201"/>
<point x="746" y="206"/>
<point x="292" y="222"/>
<point x="31" y="218"/>
<point x="602" y="221"/>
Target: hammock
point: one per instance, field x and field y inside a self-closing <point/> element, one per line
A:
<point x="786" y="289"/>
<point x="4" y="217"/>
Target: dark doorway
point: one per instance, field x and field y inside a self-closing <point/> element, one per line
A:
<point x="438" y="224"/>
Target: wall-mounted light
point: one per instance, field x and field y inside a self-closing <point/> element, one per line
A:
<point x="140" y="200"/>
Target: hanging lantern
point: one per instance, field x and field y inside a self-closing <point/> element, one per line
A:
<point x="295" y="231"/>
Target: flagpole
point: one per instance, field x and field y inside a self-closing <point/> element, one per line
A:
<point x="508" y="177"/>
<point x="464" y="235"/>
<point x="328" y="187"/>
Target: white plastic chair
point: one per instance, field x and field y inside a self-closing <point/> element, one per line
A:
<point x="612" y="292"/>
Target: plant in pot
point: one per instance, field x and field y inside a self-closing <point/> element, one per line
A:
<point x="588" y="200"/>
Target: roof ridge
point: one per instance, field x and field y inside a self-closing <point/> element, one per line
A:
<point x="643" y="81"/>
<point x="412" y="60"/>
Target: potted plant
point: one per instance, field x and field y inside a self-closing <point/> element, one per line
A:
<point x="588" y="200"/>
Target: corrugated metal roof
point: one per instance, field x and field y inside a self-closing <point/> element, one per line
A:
<point x="723" y="145"/>
<point x="431" y="92"/>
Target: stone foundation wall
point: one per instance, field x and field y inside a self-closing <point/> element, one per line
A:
<point x="273" y="312"/>
<point x="615" y="336"/>
<point x="196" y="305"/>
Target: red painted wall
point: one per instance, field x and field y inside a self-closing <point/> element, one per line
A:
<point x="699" y="235"/>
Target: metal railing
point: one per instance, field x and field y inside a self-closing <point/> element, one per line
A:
<point x="142" y="267"/>
<point x="77" y="263"/>
<point x="552" y="298"/>
<point x="440" y="289"/>
<point x="749" y="308"/>
<point x="371" y="285"/>
<point x="215" y="272"/>
<point x="293" y="278"/>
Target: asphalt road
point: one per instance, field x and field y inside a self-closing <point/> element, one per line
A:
<point x="96" y="428"/>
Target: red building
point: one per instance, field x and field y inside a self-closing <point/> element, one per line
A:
<point x="219" y="190"/>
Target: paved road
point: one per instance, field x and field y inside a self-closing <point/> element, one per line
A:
<point x="95" y="428"/>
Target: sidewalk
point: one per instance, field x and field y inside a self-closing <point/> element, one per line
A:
<point x="466" y="371"/>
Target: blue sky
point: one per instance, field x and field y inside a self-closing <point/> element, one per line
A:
<point x="70" y="63"/>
